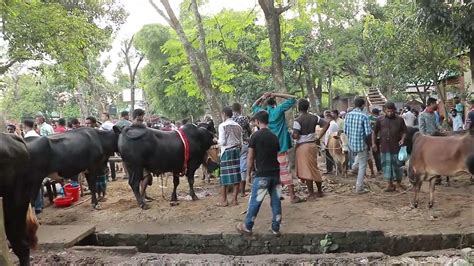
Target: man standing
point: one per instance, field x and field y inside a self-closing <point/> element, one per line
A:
<point x="357" y="129"/>
<point x="244" y="123"/>
<point x="45" y="128"/>
<point x="392" y="131"/>
<point x="60" y="126"/>
<point x="230" y="141"/>
<point x="277" y="124"/>
<point x="263" y="151"/>
<point x="107" y="125"/>
<point x="409" y="117"/>
<point x="304" y="132"/>
<point x="427" y="119"/>
<point x="124" y="120"/>
<point x="11" y="128"/>
<point x="470" y="117"/>
<point x="29" y="129"/>
<point x="333" y="128"/>
<point x="101" y="183"/>
<point x="336" y="117"/>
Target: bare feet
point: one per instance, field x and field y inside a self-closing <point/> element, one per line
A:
<point x="222" y="204"/>
<point x="234" y="203"/>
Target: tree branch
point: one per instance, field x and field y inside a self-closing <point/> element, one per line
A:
<point x="138" y="64"/>
<point x="280" y="10"/>
<point x="4" y="68"/>
<point x="162" y="14"/>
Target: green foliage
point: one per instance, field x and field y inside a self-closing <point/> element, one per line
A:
<point x="59" y="30"/>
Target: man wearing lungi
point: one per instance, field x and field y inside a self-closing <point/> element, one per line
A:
<point x="277" y="125"/>
<point x="230" y="142"/>
<point x="392" y="131"/>
<point x="304" y="132"/>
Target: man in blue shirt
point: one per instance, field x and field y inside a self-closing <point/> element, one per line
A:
<point x="357" y="128"/>
<point x="277" y="125"/>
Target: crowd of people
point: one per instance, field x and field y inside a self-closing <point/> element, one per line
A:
<point x="259" y="149"/>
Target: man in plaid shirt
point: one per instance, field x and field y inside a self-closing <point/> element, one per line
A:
<point x="357" y="128"/>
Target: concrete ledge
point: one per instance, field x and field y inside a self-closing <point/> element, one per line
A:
<point x="235" y="244"/>
<point x="120" y="249"/>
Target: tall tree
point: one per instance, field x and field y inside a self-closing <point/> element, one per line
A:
<point x="198" y="58"/>
<point x="272" y="18"/>
<point x="129" y="56"/>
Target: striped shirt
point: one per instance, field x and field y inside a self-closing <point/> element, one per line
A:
<point x="357" y="128"/>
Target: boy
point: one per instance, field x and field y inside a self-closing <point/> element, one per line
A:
<point x="263" y="150"/>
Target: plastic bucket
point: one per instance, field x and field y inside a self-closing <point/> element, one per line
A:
<point x="73" y="192"/>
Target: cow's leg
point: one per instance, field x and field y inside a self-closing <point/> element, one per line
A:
<point x="92" y="184"/>
<point x="15" y="227"/>
<point x="447" y="181"/>
<point x="432" y="189"/>
<point x="134" y="179"/>
<point x="191" y="185"/>
<point x="174" y="196"/>
<point x="417" y="187"/>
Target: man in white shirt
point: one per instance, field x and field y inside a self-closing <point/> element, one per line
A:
<point x="333" y="128"/>
<point x="409" y="117"/>
<point x="29" y="129"/>
<point x="230" y="142"/>
<point x="107" y="125"/>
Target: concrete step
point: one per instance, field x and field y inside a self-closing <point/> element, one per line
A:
<point x="114" y="249"/>
<point x="62" y="236"/>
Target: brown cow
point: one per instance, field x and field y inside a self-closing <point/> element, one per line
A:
<point x="337" y="146"/>
<point x="434" y="156"/>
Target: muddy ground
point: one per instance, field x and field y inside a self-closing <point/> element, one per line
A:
<point x="339" y="210"/>
<point x="74" y="257"/>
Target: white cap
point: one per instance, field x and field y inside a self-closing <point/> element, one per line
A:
<point x="107" y="126"/>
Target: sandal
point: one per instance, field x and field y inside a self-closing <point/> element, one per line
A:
<point x="242" y="230"/>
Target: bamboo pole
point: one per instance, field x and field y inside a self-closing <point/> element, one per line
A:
<point x="4" y="252"/>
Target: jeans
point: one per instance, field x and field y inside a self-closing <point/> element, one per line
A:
<point x="260" y="187"/>
<point x="361" y="160"/>
<point x="39" y="201"/>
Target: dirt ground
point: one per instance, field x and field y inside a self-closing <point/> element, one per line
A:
<point x="339" y="210"/>
<point x="75" y="257"/>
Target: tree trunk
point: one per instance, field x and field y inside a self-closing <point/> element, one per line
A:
<point x="202" y="76"/>
<point x="132" y="97"/>
<point x="272" y="19"/>
<point x="331" y="93"/>
<point x="310" y="87"/>
<point x="319" y="92"/>
<point x="82" y="103"/>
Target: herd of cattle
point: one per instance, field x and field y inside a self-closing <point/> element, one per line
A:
<point x="24" y="164"/>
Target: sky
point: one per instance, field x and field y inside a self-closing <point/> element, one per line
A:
<point x="142" y="13"/>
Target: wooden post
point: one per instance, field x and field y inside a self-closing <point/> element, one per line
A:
<point x="4" y="252"/>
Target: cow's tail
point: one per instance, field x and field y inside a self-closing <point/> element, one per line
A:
<point x="470" y="163"/>
<point x="31" y="227"/>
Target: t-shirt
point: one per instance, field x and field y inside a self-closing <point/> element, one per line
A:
<point x="123" y="123"/>
<point x="409" y="119"/>
<point x="305" y="126"/>
<point x="60" y="129"/>
<point x="266" y="147"/>
<point x="46" y="129"/>
<point x="107" y="126"/>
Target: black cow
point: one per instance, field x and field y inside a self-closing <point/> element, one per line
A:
<point x="13" y="157"/>
<point x="160" y="152"/>
<point x="68" y="154"/>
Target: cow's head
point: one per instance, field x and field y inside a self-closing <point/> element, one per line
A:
<point x="109" y="139"/>
<point x="342" y="141"/>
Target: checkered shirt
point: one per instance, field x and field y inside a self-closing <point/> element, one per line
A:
<point x="357" y="127"/>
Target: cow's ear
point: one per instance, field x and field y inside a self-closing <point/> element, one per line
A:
<point x="117" y="130"/>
